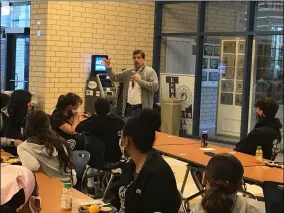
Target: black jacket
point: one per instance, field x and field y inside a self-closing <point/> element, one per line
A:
<point x="154" y="190"/>
<point x="106" y="128"/>
<point x="264" y="133"/>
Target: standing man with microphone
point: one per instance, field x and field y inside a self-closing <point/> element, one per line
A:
<point x="139" y="84"/>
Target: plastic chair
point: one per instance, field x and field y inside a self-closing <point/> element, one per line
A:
<point x="71" y="143"/>
<point x="96" y="147"/>
<point x="273" y="196"/>
<point x="80" y="159"/>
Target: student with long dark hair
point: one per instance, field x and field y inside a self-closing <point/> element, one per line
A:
<point x="223" y="178"/>
<point x="44" y="151"/>
<point x="18" y="107"/>
<point x="65" y="118"/>
<point x="147" y="183"/>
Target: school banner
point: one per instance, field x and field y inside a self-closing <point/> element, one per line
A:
<point x="180" y="86"/>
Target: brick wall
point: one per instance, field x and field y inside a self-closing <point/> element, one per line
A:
<point x="73" y="31"/>
<point x="208" y="106"/>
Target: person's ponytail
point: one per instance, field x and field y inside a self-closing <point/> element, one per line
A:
<point x="61" y="102"/>
<point x="218" y="198"/>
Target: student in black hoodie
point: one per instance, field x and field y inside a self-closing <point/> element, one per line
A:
<point x="148" y="184"/>
<point x="105" y="126"/>
<point x="266" y="131"/>
<point x="18" y="108"/>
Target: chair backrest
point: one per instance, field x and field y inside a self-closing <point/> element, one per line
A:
<point x="96" y="147"/>
<point x="273" y="197"/>
<point x="71" y="143"/>
<point x="80" y="159"/>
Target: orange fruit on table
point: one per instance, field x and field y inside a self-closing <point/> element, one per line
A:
<point x="94" y="209"/>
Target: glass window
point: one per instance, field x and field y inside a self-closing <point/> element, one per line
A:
<point x="267" y="76"/>
<point x="15" y="16"/>
<point x="269" y="16"/>
<point x="225" y="16"/>
<point x="221" y="94"/>
<point x="177" y="67"/>
<point x="179" y="18"/>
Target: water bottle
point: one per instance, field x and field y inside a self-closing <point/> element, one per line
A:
<point x="258" y="154"/>
<point x="66" y="198"/>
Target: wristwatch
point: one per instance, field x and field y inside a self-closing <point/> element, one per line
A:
<point x="12" y="142"/>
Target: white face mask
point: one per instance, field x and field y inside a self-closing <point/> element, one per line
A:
<point x="122" y="148"/>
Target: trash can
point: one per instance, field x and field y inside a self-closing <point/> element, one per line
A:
<point x="171" y="115"/>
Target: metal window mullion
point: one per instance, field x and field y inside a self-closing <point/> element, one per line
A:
<point x="198" y="69"/>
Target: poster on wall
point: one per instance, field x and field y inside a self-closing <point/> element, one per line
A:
<point x="180" y="86"/>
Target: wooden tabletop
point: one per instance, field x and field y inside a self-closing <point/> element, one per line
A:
<point x="50" y="190"/>
<point x="163" y="139"/>
<point x="193" y="154"/>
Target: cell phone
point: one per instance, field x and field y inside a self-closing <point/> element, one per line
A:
<point x="211" y="154"/>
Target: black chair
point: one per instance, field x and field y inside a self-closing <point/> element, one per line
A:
<point x="96" y="147"/>
<point x="273" y="196"/>
<point x="80" y="160"/>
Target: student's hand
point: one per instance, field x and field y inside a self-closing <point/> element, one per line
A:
<point x="17" y="142"/>
<point x="106" y="62"/>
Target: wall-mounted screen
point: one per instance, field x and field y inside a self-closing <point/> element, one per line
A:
<point x="97" y="64"/>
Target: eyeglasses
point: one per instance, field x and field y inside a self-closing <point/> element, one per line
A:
<point x="136" y="57"/>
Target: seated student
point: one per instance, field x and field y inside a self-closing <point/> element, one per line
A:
<point x="19" y="190"/>
<point x="223" y="178"/>
<point x="105" y="126"/>
<point x="18" y="107"/>
<point x="147" y="183"/>
<point x="266" y="130"/>
<point x="44" y="151"/>
<point x="65" y="118"/>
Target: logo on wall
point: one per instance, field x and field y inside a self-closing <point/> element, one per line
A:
<point x="172" y="81"/>
<point x="184" y="93"/>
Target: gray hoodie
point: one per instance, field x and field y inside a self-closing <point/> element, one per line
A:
<point x="36" y="158"/>
<point x="241" y="205"/>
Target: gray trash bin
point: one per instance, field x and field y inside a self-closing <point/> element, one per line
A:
<point x="171" y="115"/>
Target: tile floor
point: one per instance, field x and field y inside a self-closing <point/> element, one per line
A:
<point x="179" y="169"/>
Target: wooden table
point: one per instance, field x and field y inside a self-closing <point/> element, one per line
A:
<point x="193" y="154"/>
<point x="50" y="190"/>
<point x="163" y="139"/>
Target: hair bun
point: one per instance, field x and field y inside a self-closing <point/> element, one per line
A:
<point x="151" y="119"/>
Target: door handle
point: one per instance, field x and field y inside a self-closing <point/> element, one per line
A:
<point x="16" y="78"/>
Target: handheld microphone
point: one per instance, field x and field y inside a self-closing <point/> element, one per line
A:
<point x="133" y="72"/>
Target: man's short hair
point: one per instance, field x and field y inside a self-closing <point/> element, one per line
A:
<point x="102" y="106"/>
<point x="141" y="52"/>
<point x="268" y="105"/>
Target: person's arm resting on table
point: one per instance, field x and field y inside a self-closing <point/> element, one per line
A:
<point x="248" y="145"/>
<point x="151" y="85"/>
<point x="27" y="159"/>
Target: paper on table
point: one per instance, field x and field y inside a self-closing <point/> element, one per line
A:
<point x="207" y="149"/>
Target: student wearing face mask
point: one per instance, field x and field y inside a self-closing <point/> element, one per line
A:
<point x="266" y="130"/>
<point x="65" y="118"/>
<point x="19" y="190"/>
<point x="223" y="178"/>
<point x="147" y="183"/>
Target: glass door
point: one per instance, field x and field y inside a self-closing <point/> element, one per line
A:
<point x="18" y="50"/>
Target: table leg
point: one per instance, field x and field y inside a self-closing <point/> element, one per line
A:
<point x="185" y="179"/>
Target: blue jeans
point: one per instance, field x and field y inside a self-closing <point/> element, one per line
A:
<point x="131" y="112"/>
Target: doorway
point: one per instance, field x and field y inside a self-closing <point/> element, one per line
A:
<point x="17" y="69"/>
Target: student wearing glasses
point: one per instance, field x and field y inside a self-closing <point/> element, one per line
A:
<point x="139" y="84"/>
